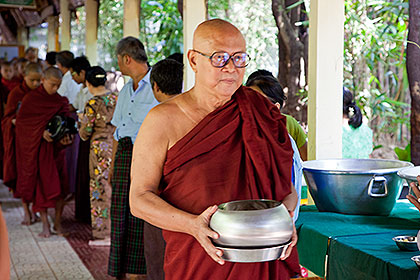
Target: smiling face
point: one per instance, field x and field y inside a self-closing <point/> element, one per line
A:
<point x="220" y="82"/>
<point x="33" y="79"/>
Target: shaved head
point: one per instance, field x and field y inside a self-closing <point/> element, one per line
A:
<point x="210" y="32"/>
<point x="211" y="37"/>
<point x="53" y="72"/>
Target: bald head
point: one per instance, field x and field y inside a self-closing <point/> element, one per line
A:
<point x="213" y="31"/>
<point x="53" y="72"/>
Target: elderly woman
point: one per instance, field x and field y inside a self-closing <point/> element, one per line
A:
<point x="96" y="126"/>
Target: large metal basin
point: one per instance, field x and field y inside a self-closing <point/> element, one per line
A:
<point x="252" y="224"/>
<point x="354" y="186"/>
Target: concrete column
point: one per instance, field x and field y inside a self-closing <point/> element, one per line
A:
<point x="91" y="7"/>
<point x="22" y="36"/>
<point x="65" y="24"/>
<point x="131" y="26"/>
<point x="194" y="14"/>
<point x="326" y="45"/>
<point x="53" y="33"/>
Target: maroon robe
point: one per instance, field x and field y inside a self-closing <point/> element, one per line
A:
<point x="239" y="151"/>
<point x="8" y="129"/>
<point x="41" y="171"/>
<point x="5" y="87"/>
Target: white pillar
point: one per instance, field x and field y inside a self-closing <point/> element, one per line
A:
<point x="131" y="26"/>
<point x="326" y="45"/>
<point x="194" y="14"/>
<point x="52" y="33"/>
<point x="65" y="24"/>
<point x="91" y="7"/>
<point x="22" y="36"/>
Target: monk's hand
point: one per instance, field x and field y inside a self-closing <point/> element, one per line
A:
<point x="292" y="244"/>
<point x="202" y="233"/>
<point x="415" y="199"/>
<point x="14" y="121"/>
<point x="47" y="136"/>
<point x="66" y="140"/>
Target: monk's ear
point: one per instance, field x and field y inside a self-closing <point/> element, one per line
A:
<point x="192" y="59"/>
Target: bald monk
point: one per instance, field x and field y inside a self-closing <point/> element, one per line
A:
<point x="215" y="143"/>
<point x="41" y="170"/>
<point x="32" y="75"/>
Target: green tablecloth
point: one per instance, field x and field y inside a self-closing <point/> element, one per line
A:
<point x="361" y="247"/>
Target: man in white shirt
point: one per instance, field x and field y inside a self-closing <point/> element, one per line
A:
<point x="78" y="69"/>
<point x="69" y="88"/>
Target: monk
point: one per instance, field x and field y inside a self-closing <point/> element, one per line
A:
<point x="7" y="83"/>
<point x="31" y="80"/>
<point x="41" y="171"/>
<point x="215" y="143"/>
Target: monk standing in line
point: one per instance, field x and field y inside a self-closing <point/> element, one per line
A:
<point x="7" y="83"/>
<point x="41" y="170"/>
<point x="31" y="80"/>
<point x="215" y="143"/>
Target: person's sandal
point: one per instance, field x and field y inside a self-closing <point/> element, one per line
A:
<point x="100" y="242"/>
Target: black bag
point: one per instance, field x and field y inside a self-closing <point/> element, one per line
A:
<point x="59" y="126"/>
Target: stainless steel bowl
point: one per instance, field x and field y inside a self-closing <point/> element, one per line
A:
<point x="252" y="224"/>
<point x="410" y="175"/>
<point x="354" y="186"/>
<point x="245" y="255"/>
<point x="406" y="242"/>
<point x="416" y="259"/>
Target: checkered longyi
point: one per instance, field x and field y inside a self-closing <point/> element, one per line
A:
<point x="126" y="252"/>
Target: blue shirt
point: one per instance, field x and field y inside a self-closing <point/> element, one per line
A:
<point x="296" y="175"/>
<point x="132" y="107"/>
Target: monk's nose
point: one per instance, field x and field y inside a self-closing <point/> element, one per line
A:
<point x="229" y="66"/>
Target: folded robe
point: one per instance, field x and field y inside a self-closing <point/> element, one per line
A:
<point x="5" y="87"/>
<point x="41" y="170"/>
<point x="239" y="151"/>
<point x="8" y="129"/>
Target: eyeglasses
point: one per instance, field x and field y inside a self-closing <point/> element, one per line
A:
<point x="221" y="59"/>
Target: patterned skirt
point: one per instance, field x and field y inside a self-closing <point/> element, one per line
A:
<point x="127" y="252"/>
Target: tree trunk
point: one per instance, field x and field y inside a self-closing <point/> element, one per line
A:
<point x="413" y="73"/>
<point x="180" y="6"/>
<point x="291" y="51"/>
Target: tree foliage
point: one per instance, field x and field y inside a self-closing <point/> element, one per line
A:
<point x="161" y="28"/>
<point x="374" y="63"/>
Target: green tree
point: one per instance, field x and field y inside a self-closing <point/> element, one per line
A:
<point x="161" y="28"/>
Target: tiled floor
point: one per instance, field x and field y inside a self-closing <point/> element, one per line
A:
<point x="33" y="257"/>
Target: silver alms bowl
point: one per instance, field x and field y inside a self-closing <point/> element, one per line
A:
<point x="416" y="259"/>
<point x="406" y="243"/>
<point x="252" y="224"/>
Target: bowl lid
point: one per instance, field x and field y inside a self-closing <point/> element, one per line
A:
<point x="410" y="173"/>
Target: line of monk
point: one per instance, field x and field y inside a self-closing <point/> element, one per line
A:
<point x="172" y="162"/>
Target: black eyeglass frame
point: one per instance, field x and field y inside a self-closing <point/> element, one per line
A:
<point x="227" y="61"/>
